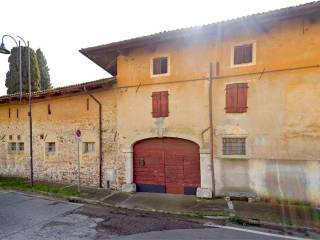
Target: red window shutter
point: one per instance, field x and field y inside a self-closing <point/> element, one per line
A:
<point x="242" y="97"/>
<point x="156" y="104"/>
<point x="160" y="104"/>
<point x="236" y="98"/>
<point x="164" y="104"/>
<point x="231" y="98"/>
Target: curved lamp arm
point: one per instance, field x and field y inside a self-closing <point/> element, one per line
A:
<point x="11" y="38"/>
<point x="24" y="42"/>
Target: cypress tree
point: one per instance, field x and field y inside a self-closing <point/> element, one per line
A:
<point x="44" y="70"/>
<point x="12" y="76"/>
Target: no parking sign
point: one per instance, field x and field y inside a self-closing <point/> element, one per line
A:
<point x="78" y="134"/>
<point x="78" y="137"/>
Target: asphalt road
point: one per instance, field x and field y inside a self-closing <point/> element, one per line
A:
<point x="33" y="217"/>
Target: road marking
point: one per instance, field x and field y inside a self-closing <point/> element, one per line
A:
<point x="255" y="232"/>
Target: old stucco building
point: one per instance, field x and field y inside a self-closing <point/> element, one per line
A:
<point x="238" y="99"/>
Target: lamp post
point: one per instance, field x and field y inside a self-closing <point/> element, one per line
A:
<point x="3" y="50"/>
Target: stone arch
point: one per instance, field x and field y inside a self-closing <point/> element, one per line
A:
<point x="205" y="163"/>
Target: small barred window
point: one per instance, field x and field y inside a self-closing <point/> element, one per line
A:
<point x="234" y="146"/>
<point x="50" y="147"/>
<point x="88" y="147"/>
<point x="21" y="147"/>
<point x="12" y="147"/>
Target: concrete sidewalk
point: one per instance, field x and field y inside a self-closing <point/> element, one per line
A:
<point x="171" y="203"/>
<point x="260" y="213"/>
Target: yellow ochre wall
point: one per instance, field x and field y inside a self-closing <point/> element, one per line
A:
<point x="67" y="114"/>
<point x="282" y="124"/>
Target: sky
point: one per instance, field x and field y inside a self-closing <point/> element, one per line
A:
<point x="62" y="27"/>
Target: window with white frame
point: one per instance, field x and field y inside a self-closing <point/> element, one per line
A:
<point x="88" y="147"/>
<point x="243" y="54"/>
<point x="234" y="146"/>
<point x="160" y="66"/>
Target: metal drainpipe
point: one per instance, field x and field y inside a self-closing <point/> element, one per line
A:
<point x="100" y="134"/>
<point x="211" y="130"/>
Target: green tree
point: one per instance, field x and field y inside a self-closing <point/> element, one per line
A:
<point x="44" y="70"/>
<point x="12" y="77"/>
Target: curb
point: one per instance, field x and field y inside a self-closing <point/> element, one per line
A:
<point x="258" y="223"/>
<point x="252" y="222"/>
<point x="276" y="226"/>
<point x="83" y="200"/>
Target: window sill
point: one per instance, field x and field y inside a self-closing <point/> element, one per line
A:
<point x="233" y="156"/>
<point x="50" y="154"/>
<point x="243" y="65"/>
<point x="88" y="153"/>
<point x="160" y="75"/>
<point x="235" y="112"/>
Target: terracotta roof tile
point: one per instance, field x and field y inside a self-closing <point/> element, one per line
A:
<point x="60" y="90"/>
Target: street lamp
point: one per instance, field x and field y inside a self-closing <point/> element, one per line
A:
<point x="3" y="50"/>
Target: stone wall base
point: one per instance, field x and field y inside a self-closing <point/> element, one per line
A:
<point x="204" y="193"/>
<point x="129" y="187"/>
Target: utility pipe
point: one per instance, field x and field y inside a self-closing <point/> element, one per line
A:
<point x="20" y="72"/>
<point x="211" y="129"/>
<point x="20" y="64"/>
<point x="30" y="115"/>
<point x="100" y="134"/>
<point x="220" y="77"/>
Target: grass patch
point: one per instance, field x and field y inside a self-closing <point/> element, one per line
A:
<point x="238" y="220"/>
<point x="302" y="209"/>
<point x="285" y="201"/>
<point x="312" y="212"/>
<point x="24" y="185"/>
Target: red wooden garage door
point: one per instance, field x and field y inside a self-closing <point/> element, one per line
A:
<point x="169" y="165"/>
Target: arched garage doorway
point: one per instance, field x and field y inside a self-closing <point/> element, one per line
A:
<point x="166" y="165"/>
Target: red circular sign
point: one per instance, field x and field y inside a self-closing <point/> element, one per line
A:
<point x="78" y="133"/>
